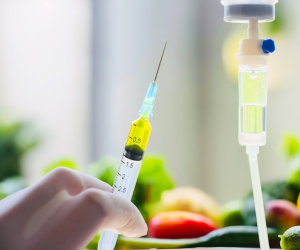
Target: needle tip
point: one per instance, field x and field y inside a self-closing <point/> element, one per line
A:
<point x="154" y="82"/>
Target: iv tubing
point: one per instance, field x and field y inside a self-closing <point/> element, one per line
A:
<point x="252" y="152"/>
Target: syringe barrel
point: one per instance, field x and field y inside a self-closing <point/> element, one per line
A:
<point x="253" y="89"/>
<point x="128" y="171"/>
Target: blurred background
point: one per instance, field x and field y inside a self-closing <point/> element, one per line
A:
<point x="73" y="75"/>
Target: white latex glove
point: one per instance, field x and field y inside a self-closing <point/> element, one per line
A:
<point x="63" y="211"/>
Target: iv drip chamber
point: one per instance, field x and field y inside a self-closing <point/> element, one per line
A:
<point x="253" y="57"/>
<point x="252" y="104"/>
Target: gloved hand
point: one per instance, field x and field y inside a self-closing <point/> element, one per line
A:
<point x="63" y="211"/>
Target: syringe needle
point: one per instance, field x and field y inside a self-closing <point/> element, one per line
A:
<point x="160" y="62"/>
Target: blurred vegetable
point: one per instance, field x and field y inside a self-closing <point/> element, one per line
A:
<point x="16" y="139"/>
<point x="281" y="22"/>
<point x="232" y="214"/>
<point x="279" y="190"/>
<point x="153" y="179"/>
<point x="191" y="200"/>
<point x="291" y="145"/>
<point x="180" y="225"/>
<point x="93" y="244"/>
<point x="67" y="163"/>
<point x="238" y="236"/>
<point x="12" y="185"/>
<point x="248" y="211"/>
<point x="290" y="240"/>
<point x="282" y="214"/>
<point x="105" y="169"/>
<point x="291" y="149"/>
<point x="294" y="173"/>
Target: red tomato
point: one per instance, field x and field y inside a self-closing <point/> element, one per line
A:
<point x="180" y="225"/>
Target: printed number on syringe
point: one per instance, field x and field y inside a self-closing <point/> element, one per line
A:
<point x="127" y="174"/>
<point x="137" y="141"/>
<point x="122" y="176"/>
<point x="131" y="164"/>
<point x="120" y="189"/>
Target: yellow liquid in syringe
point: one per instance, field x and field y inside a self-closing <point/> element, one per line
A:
<point x="138" y="139"/>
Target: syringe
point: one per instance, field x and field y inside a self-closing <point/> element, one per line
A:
<point x="132" y="157"/>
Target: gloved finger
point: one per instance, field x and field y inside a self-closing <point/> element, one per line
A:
<point x="72" y="181"/>
<point x="81" y="217"/>
<point x="120" y="214"/>
<point x="53" y="183"/>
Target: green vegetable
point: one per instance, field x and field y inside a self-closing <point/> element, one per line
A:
<point x="94" y="242"/>
<point x="279" y="190"/>
<point x="237" y="236"/>
<point x="16" y="139"/>
<point x="152" y="181"/>
<point x="291" y="145"/>
<point x="290" y="240"/>
<point x="291" y="149"/>
<point x="232" y="214"/>
<point x="12" y="185"/>
<point x="105" y="169"/>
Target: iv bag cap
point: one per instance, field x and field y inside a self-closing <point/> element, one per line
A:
<point x="268" y="46"/>
<point x="240" y="11"/>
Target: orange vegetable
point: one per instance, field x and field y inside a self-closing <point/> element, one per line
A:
<point x="180" y="225"/>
